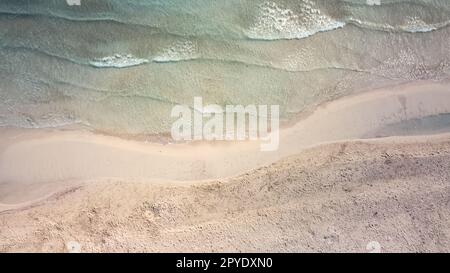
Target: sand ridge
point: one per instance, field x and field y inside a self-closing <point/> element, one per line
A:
<point x="335" y="198"/>
<point x="44" y="157"/>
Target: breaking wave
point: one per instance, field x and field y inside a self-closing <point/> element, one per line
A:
<point x="276" y="22"/>
<point x="118" y="61"/>
<point x="180" y="51"/>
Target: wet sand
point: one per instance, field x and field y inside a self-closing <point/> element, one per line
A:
<point x="324" y="189"/>
<point x="30" y="158"/>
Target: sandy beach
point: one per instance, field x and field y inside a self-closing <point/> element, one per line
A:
<point x="112" y="194"/>
<point x="332" y="198"/>
<point x="36" y="157"/>
<point x="224" y="126"/>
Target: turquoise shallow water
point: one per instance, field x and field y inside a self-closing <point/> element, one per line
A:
<point x="428" y="125"/>
<point x="120" y="66"/>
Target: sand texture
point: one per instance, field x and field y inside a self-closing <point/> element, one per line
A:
<point x="337" y="197"/>
<point x="331" y="187"/>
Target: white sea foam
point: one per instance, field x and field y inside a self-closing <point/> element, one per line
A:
<point x="412" y="24"/>
<point x="415" y="24"/>
<point x="179" y="51"/>
<point x="118" y="61"/>
<point x="277" y="22"/>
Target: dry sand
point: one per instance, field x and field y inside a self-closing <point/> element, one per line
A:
<point x="337" y="197"/>
<point x="111" y="194"/>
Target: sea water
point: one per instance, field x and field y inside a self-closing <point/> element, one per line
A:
<point x="120" y="66"/>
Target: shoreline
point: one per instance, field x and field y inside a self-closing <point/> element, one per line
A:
<point x="34" y="157"/>
<point x="67" y="186"/>
<point x="166" y="139"/>
<point x="333" y="198"/>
